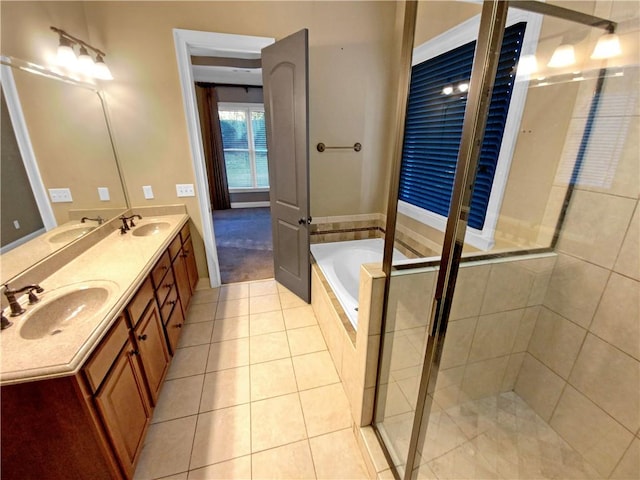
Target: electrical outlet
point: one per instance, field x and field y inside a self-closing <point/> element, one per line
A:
<point x="16" y="224"/>
<point x="60" y="195"/>
<point x="103" y="194"/>
<point x="148" y="192"/>
<point x="185" y="190"/>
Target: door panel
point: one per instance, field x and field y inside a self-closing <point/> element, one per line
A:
<point x="285" y="78"/>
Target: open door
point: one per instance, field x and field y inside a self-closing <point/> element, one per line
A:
<point x="285" y="87"/>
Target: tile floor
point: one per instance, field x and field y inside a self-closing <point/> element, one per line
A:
<point x="497" y="437"/>
<point x="252" y="392"/>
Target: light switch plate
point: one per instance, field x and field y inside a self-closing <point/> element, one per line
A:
<point x="16" y="224"/>
<point x="60" y="195"/>
<point x="185" y="190"/>
<point x="103" y="193"/>
<point x="148" y="192"/>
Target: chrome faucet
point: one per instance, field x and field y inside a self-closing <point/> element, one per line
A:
<point x="16" y="308"/>
<point x="98" y="219"/>
<point x="125" y="228"/>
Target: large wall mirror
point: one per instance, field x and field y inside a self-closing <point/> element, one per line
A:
<point x="55" y="135"/>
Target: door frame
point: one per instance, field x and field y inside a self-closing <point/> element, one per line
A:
<point x="227" y="45"/>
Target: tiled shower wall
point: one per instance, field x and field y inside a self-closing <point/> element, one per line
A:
<point x="581" y="371"/>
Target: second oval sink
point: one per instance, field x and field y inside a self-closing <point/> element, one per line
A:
<point x="70" y="234"/>
<point x="150" y="229"/>
<point x="55" y="315"/>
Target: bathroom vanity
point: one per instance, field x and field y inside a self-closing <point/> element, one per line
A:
<point x="77" y="397"/>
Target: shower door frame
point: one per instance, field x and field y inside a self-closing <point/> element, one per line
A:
<point x="492" y="24"/>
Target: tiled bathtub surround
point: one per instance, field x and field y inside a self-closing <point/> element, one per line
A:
<point x="251" y="393"/>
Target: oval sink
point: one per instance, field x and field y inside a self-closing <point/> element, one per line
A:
<point x="71" y="234"/>
<point x="57" y="314"/>
<point x="150" y="229"/>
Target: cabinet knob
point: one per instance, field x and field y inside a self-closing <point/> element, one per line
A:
<point x="142" y="337"/>
<point x="168" y="285"/>
<point x="134" y="352"/>
<point x="172" y="302"/>
<point x="164" y="267"/>
<point x="179" y="325"/>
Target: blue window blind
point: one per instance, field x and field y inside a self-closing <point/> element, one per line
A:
<point x="433" y="128"/>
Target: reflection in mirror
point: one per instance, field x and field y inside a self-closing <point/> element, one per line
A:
<point x="58" y="165"/>
<point x="543" y="145"/>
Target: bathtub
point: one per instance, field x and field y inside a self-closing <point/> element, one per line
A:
<point x="340" y="264"/>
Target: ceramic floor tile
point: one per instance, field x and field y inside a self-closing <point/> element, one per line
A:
<point x="290" y="300"/>
<point x="299" y="317"/>
<point x="326" y="409"/>
<point x="342" y="445"/>
<point x="228" y="354"/>
<point x="272" y="379"/>
<point x="267" y="322"/>
<point x="264" y="287"/>
<point x="205" y="296"/>
<point x="177" y="476"/>
<point x="221" y="435"/>
<point x="188" y="361"/>
<point x="279" y="421"/>
<point x="291" y="461"/>
<point x="306" y="340"/>
<point x="314" y="370"/>
<point x="233" y="291"/>
<point x="238" y="468"/>
<point x="230" y="328"/>
<point x="272" y="346"/>
<point x="264" y="303"/>
<point x="178" y="398"/>
<point x="195" y="334"/>
<point x="204" y="312"/>
<point x="232" y="308"/>
<point x="166" y="448"/>
<point x="225" y="388"/>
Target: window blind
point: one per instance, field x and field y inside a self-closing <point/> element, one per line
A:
<point x="433" y="127"/>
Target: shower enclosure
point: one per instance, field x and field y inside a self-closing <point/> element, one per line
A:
<point x="515" y="353"/>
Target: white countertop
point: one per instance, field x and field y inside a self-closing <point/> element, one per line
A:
<point x="120" y="263"/>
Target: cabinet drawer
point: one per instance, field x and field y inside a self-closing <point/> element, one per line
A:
<point x="174" y="327"/>
<point x="138" y="305"/>
<point x="160" y="270"/>
<point x="167" y="306"/>
<point x="162" y="290"/>
<point x="104" y="356"/>
<point x="174" y="247"/>
<point x="185" y="232"/>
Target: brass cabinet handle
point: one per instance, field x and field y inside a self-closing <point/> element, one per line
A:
<point x="134" y="352"/>
<point x="142" y="337"/>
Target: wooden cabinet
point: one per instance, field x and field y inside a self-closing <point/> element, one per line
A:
<point x="122" y="404"/>
<point x="92" y="424"/>
<point x="152" y="347"/>
<point x="192" y="268"/>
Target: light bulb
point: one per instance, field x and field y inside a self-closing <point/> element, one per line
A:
<point x="463" y="87"/>
<point x="447" y="90"/>
<point x="608" y="46"/>
<point x="527" y="65"/>
<point x="66" y="55"/>
<point x="563" y="56"/>
<point x="100" y="69"/>
<point x="85" y="62"/>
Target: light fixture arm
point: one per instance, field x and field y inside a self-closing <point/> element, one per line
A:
<point x="77" y="41"/>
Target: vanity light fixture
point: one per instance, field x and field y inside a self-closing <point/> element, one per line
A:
<point x="527" y="65"/>
<point x="608" y="46"/>
<point x="84" y="62"/>
<point x="563" y="56"/>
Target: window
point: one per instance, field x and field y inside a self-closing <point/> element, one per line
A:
<point x="433" y="130"/>
<point x="244" y="142"/>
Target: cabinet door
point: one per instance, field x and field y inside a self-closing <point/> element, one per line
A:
<point x="152" y="346"/>
<point x="192" y="268"/>
<point x="123" y="407"/>
<point x="182" y="281"/>
<point x="174" y="327"/>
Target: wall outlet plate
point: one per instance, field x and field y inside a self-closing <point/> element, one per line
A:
<point x="185" y="190"/>
<point x="103" y="194"/>
<point x="148" y="192"/>
<point x="60" y="195"/>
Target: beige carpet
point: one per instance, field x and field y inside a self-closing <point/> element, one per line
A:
<point x="243" y="241"/>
